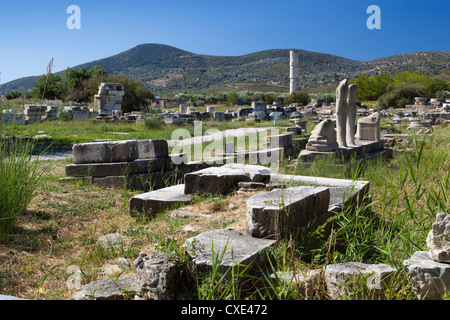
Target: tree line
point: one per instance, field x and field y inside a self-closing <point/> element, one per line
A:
<point x="387" y="90"/>
<point x="233" y="98"/>
<point x="398" y="90"/>
<point x="82" y="85"/>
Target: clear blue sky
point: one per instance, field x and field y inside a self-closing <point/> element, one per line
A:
<point x="33" y="32"/>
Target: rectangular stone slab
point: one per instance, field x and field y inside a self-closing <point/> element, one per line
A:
<point x="105" y="152"/>
<point x="224" y="179"/>
<point x="236" y="248"/>
<point x="158" y="200"/>
<point x="281" y="140"/>
<point x="118" y="168"/>
<point x="282" y="212"/>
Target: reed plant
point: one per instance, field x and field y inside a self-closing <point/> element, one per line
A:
<point x="21" y="173"/>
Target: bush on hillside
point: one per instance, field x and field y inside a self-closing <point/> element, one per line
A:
<point x="401" y="95"/>
<point x="297" y="97"/>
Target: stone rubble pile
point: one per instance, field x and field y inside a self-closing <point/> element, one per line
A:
<point x="77" y="112"/>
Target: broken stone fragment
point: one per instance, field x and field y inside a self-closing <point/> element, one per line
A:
<point x="224" y="179"/>
<point x="323" y="137"/>
<point x="356" y="281"/>
<point x="158" y="277"/>
<point x="430" y="279"/>
<point x="282" y="212"/>
<point x="438" y="239"/>
<point x="111" y="241"/>
<point x="303" y="284"/>
<point x="228" y="248"/>
<point x="110" y="289"/>
<point x="75" y="278"/>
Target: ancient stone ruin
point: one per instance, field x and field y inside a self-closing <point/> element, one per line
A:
<point x="344" y="141"/>
<point x="108" y="101"/>
<point x="11" y="116"/>
<point x="293" y="68"/>
<point x="120" y="164"/>
<point x="277" y="211"/>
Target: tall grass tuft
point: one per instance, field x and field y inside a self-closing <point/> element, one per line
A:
<point x="20" y="176"/>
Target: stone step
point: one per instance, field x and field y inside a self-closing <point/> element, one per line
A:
<point x="360" y="149"/>
<point x="119" y="151"/>
<point x="158" y="200"/>
<point x="145" y="181"/>
<point x="105" y="152"/>
<point x="118" y="168"/>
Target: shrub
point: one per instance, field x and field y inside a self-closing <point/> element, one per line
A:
<point x="401" y="95"/>
<point x="64" y="115"/>
<point x="443" y="94"/>
<point x="152" y="122"/>
<point x="298" y="97"/>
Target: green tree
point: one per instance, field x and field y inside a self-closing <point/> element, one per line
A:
<point x="13" y="94"/>
<point x="270" y="98"/>
<point x="83" y="84"/>
<point x="371" y="88"/>
<point x="437" y="86"/>
<point x="97" y="71"/>
<point x="412" y="78"/>
<point x="232" y="98"/>
<point x="49" y="86"/>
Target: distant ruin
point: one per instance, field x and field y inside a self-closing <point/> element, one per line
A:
<point x="108" y="101"/>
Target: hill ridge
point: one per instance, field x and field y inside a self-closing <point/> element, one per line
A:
<point x="164" y="68"/>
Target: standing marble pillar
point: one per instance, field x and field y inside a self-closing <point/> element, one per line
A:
<point x="341" y="113"/>
<point x="293" y="68"/>
<point x="351" y="117"/>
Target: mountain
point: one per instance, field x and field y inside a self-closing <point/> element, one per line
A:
<point x="166" y="69"/>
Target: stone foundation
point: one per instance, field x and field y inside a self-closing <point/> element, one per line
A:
<point x="362" y="149"/>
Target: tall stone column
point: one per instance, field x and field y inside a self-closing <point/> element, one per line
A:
<point x="341" y="113"/>
<point x="293" y="67"/>
<point x="351" y="117"/>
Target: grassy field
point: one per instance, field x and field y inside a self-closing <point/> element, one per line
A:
<point x="62" y="223"/>
<point x="69" y="132"/>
